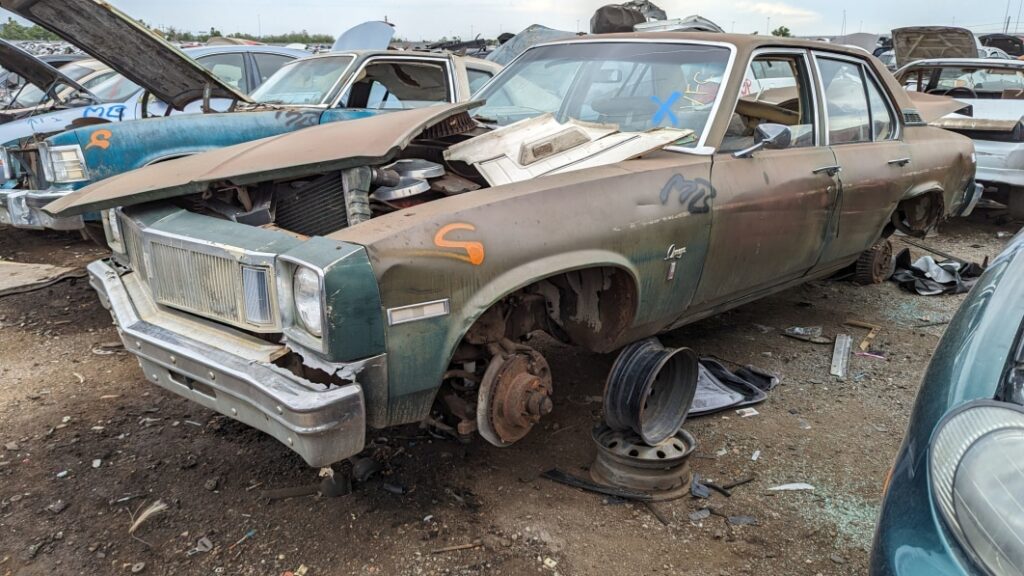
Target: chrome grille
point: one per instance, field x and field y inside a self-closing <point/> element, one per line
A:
<point x="197" y="282"/>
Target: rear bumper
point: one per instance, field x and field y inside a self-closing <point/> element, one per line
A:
<point x="1000" y="163"/>
<point x="323" y="425"/>
<point x="24" y="209"/>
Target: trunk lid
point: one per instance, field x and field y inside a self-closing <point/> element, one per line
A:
<point x="929" y="42"/>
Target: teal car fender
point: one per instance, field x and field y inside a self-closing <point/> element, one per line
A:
<point x="111" y="149"/>
<point x="911" y="538"/>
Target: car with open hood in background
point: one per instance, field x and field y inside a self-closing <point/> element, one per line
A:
<point x="325" y="88"/>
<point x="11" y="82"/>
<point x="992" y="88"/>
<point x="952" y="503"/>
<point x="390" y="269"/>
<point x="44" y="87"/>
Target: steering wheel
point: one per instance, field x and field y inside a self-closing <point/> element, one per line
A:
<point x="965" y="91"/>
<point x="144" y="106"/>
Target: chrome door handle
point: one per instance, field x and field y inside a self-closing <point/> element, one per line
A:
<point x="899" y="162"/>
<point x="830" y="170"/>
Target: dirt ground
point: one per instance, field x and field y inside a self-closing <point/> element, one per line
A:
<point x="88" y="444"/>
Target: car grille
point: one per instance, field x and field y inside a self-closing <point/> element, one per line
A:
<point x="196" y="279"/>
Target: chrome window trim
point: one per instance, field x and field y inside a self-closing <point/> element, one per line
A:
<point x="700" y="147"/>
<point x="869" y="69"/>
<point x="351" y="78"/>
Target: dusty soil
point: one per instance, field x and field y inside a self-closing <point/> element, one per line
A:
<point x="89" y="444"/>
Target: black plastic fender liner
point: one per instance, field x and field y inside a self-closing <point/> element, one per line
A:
<point x="650" y="390"/>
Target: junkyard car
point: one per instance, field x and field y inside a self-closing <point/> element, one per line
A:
<point x="326" y="88"/>
<point x="953" y="502"/>
<point x="391" y="269"/>
<point x="47" y="87"/>
<point x="995" y="91"/>
<point x="11" y="81"/>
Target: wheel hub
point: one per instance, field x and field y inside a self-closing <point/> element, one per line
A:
<point x="515" y="394"/>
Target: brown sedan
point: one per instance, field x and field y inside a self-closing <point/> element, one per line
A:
<point x="604" y="189"/>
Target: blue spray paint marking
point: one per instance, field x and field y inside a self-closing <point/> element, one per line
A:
<point x="665" y="109"/>
<point x="115" y="112"/>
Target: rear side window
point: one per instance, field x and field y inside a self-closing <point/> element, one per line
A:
<point x="846" y="101"/>
<point x="882" y="122"/>
<point x="228" y="67"/>
<point x="267" y="64"/>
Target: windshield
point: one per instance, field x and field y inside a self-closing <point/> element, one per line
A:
<point x="116" y="88"/>
<point x="309" y="81"/>
<point x="32" y="96"/>
<point x="966" y="81"/>
<point x="639" y="86"/>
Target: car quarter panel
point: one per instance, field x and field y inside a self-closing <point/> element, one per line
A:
<point x="475" y="249"/>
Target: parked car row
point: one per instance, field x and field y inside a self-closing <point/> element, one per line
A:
<point x="321" y="245"/>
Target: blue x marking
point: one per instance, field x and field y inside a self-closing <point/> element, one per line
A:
<point x="665" y="109"/>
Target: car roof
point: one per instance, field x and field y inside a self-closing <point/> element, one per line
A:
<point x="740" y="41"/>
<point x="979" y="62"/>
<point x="197" y="51"/>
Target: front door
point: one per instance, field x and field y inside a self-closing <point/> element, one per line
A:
<point x="772" y="208"/>
<point x="863" y="132"/>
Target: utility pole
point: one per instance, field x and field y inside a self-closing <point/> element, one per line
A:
<point x="1020" y="7"/>
<point x="768" y="28"/>
<point x="259" y="26"/>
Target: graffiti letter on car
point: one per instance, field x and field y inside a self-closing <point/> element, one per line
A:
<point x="474" y="250"/>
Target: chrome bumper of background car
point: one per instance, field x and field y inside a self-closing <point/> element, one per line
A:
<point x="971" y="197"/>
<point x="1000" y="162"/>
<point x="24" y="209"/>
<point x="321" y="425"/>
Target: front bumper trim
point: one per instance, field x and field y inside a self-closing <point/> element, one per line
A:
<point x="323" y="426"/>
<point x="24" y="209"/>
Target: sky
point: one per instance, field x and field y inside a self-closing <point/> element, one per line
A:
<point x="432" y="19"/>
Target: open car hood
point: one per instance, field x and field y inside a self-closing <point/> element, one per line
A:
<point x="324" y="148"/>
<point x="32" y="69"/>
<point x="927" y="42"/>
<point x="371" y="35"/>
<point x="127" y="46"/>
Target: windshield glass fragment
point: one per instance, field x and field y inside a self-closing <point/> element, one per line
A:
<point x="309" y="81"/>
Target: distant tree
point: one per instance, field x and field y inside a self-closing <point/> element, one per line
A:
<point x="12" y="30"/>
<point x="214" y="32"/>
<point x="782" y="31"/>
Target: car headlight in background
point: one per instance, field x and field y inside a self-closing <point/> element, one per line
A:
<point x="258" y="300"/>
<point x="63" y="164"/>
<point x="5" y="158"/>
<point x="308" y="296"/>
<point x="977" y="473"/>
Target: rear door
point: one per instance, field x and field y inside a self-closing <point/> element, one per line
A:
<point x="772" y="208"/>
<point x="863" y="130"/>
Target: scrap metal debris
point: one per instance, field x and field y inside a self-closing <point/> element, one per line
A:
<point x="19" y="278"/>
<point x="927" y="277"/>
<point x="810" y="334"/>
<point x="720" y="389"/>
<point x="795" y="487"/>
<point x="841" y="355"/>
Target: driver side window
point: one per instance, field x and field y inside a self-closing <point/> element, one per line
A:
<point x="776" y="90"/>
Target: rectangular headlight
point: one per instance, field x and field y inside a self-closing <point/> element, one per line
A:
<point x="67" y="164"/>
<point x="256" y="289"/>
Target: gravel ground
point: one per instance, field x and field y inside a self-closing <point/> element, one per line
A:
<point x="89" y="444"/>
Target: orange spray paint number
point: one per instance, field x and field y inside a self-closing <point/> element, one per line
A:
<point x="100" y="139"/>
<point x="474" y="250"/>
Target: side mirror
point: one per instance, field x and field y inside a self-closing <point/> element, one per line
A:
<point x="768" y="136"/>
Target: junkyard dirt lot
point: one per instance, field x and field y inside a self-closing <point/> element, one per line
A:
<point x="81" y="427"/>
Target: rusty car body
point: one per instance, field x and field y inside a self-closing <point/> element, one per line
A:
<point x="391" y="269"/>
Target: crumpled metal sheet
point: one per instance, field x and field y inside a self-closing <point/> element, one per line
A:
<point x="719" y="388"/>
<point x="927" y="277"/>
<point x="18" y="278"/>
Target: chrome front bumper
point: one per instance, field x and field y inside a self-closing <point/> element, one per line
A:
<point x="323" y="425"/>
<point x="24" y="209"/>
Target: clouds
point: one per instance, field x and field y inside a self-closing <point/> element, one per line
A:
<point x="782" y="11"/>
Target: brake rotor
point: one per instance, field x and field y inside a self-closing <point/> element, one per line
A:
<point x="625" y="461"/>
<point x="514" y="395"/>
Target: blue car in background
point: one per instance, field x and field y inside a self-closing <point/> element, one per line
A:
<point x="328" y="87"/>
<point x="954" y="504"/>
